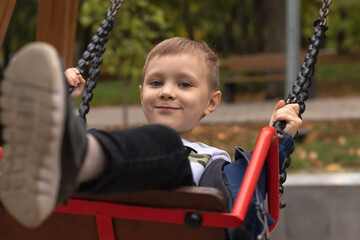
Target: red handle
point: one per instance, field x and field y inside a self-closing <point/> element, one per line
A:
<point x="266" y="148"/>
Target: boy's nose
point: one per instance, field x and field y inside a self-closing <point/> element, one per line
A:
<point x="167" y="93"/>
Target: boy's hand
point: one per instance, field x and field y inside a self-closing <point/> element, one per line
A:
<point x="289" y="114"/>
<point x="75" y="80"/>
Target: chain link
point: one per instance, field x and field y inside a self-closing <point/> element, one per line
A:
<point x="115" y="5"/>
<point x="93" y="56"/>
<point x="324" y="11"/>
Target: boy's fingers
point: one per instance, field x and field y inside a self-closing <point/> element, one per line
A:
<point x="71" y="81"/>
<point x="279" y="105"/>
<point x="286" y="113"/>
<point x="296" y="107"/>
<point x="81" y="79"/>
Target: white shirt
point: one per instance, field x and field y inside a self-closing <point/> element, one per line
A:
<point x="203" y="156"/>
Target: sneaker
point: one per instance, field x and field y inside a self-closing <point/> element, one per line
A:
<point x="37" y="154"/>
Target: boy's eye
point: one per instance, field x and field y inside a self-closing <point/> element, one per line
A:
<point x="156" y="83"/>
<point x="185" y="85"/>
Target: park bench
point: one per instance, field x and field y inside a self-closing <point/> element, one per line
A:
<point x="253" y="68"/>
<point x="269" y="68"/>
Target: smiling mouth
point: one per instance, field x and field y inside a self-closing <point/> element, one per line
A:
<point x="164" y="108"/>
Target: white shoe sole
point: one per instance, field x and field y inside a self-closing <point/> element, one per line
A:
<point x="33" y="114"/>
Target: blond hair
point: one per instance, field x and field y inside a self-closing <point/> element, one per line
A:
<point x="180" y="45"/>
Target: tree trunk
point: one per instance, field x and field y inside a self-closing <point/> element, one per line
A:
<point x="187" y="18"/>
<point x="276" y="25"/>
<point x="260" y="19"/>
<point x="276" y="40"/>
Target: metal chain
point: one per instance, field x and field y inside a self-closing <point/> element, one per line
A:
<point x="93" y="56"/>
<point x="324" y="11"/>
<point x="98" y="46"/>
<point x="115" y="5"/>
<point x="300" y="89"/>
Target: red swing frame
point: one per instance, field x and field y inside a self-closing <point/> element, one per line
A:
<point x="266" y="149"/>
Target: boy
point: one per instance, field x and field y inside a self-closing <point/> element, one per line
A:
<point x="176" y="92"/>
<point x="180" y="86"/>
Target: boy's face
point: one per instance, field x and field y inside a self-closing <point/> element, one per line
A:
<point x="176" y="92"/>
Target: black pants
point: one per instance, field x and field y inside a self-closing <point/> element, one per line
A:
<point x="149" y="157"/>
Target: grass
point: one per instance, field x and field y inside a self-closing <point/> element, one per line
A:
<point x="330" y="146"/>
<point x="111" y="92"/>
<point x="336" y="80"/>
<point x="330" y="73"/>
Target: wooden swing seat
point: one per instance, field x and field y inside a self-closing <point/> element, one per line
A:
<point x="62" y="226"/>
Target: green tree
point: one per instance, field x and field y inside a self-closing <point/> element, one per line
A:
<point x="21" y="29"/>
<point x="343" y="19"/>
<point x="138" y="25"/>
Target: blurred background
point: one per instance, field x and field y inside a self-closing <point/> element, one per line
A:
<point x="231" y="28"/>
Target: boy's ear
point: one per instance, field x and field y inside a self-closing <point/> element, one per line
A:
<point x="213" y="103"/>
<point x="141" y="94"/>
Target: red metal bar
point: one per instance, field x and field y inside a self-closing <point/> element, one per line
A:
<point x="266" y="148"/>
<point x="273" y="181"/>
<point x="115" y="210"/>
<point x="105" y="228"/>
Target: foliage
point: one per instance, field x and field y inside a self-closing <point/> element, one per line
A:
<point x="229" y="26"/>
<point x="137" y="26"/>
<point x="342" y="21"/>
<point x="21" y="29"/>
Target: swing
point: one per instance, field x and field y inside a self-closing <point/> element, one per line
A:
<point x="182" y="213"/>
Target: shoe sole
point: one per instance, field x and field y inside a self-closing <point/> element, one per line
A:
<point x="33" y="113"/>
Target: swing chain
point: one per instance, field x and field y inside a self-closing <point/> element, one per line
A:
<point x="93" y="55"/>
<point x="324" y="11"/>
<point x="300" y="89"/>
<point x="115" y="5"/>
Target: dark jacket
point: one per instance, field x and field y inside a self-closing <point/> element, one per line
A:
<point x="227" y="177"/>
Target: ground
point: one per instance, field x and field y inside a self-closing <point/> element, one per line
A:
<point x="326" y="147"/>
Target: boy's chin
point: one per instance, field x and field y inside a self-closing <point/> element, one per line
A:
<point x="169" y="124"/>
